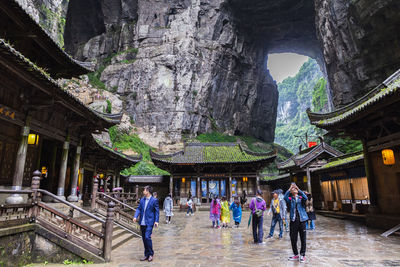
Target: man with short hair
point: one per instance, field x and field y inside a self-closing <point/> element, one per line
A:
<point x="276" y="209"/>
<point x="148" y="213"/>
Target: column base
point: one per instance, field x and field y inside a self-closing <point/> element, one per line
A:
<point x="15" y="199"/>
<point x="373" y="209"/>
<point x="72" y="198"/>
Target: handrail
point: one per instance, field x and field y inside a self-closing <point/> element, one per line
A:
<point x="70" y="205"/>
<point x="125" y="228"/>
<point x="117" y="201"/>
<point x="10" y="191"/>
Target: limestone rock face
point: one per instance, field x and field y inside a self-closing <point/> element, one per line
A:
<point x="360" y="43"/>
<point x="181" y="67"/>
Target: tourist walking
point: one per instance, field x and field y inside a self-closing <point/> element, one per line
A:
<point x="257" y="207"/>
<point x="215" y="212"/>
<point x="243" y="199"/>
<point x="296" y="199"/>
<point x="167" y="207"/>
<point x="189" y="205"/>
<point x="236" y="212"/>
<point x="147" y="215"/>
<point x="284" y="209"/>
<point x="225" y="214"/>
<point x="276" y="209"/>
<point x="310" y="212"/>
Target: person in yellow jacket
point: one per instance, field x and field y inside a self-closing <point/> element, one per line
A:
<point x="225" y="214"/>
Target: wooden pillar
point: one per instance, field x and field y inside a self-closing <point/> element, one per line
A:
<point x="208" y="192"/>
<point x="373" y="196"/>
<point x="308" y="180"/>
<point x="20" y="164"/>
<point x="73" y="197"/>
<point x="230" y="188"/>
<point x="171" y="186"/>
<point x="35" y="185"/>
<point x="137" y="192"/>
<point x="94" y="193"/>
<point x="108" y="232"/>
<point x="118" y="177"/>
<point x="257" y="181"/>
<point x="63" y="169"/>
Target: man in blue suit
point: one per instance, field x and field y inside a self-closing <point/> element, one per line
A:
<point x="147" y="215"/>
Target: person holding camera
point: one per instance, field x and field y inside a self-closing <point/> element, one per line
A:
<point x="296" y="199"/>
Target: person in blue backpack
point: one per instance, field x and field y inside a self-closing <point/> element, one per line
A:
<point x="296" y="200"/>
<point x="148" y="214"/>
<point x="236" y="211"/>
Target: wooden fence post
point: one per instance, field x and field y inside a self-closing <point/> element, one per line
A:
<point x="35" y="185"/>
<point x="109" y="231"/>
<point x="94" y="194"/>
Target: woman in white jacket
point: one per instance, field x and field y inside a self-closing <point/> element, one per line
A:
<point x="168" y="204"/>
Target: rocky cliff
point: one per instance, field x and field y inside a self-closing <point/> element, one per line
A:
<point x="190" y="66"/>
<point x="182" y="67"/>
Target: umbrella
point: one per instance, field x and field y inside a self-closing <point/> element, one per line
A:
<point x="248" y="225"/>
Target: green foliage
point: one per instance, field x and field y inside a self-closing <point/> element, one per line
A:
<point x="194" y="92"/>
<point x="70" y="262"/>
<point x="133" y="142"/>
<point x="344" y="144"/>
<point x="109" y="107"/>
<point x="298" y="91"/>
<point x="319" y="96"/>
<point x="144" y="168"/>
<point x="94" y="78"/>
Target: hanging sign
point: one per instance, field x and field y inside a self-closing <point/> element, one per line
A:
<point x="311" y="144"/>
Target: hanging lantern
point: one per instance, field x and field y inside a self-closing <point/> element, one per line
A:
<point x="305" y="179"/>
<point x="101" y="175"/>
<point x="295" y="179"/>
<point x="33" y="139"/>
<point x="388" y="157"/>
<point x="183" y="180"/>
<point x="245" y="179"/>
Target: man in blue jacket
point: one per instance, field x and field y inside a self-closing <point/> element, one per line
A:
<point x="148" y="213"/>
<point x="296" y="200"/>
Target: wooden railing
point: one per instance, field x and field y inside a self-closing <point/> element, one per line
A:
<point x="58" y="223"/>
<point x="127" y="198"/>
<point x="123" y="212"/>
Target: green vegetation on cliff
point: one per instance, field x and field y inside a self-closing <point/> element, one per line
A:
<point x="133" y="143"/>
<point x="296" y="94"/>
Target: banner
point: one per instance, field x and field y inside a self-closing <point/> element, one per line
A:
<point x="223" y="188"/>
<point x="204" y="188"/>
<point x="213" y="187"/>
<point x="193" y="187"/>
<point x="234" y="191"/>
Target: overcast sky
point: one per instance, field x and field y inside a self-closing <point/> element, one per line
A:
<point x="284" y="65"/>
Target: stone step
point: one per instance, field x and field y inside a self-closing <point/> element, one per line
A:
<point x="121" y="239"/>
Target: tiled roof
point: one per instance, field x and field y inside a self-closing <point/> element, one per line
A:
<point x="213" y="153"/>
<point x="307" y="155"/>
<point x="387" y="89"/>
<point x="69" y="66"/>
<point x="9" y="54"/>
<point x="342" y="161"/>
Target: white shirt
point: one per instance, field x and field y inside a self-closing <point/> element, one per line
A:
<point x="143" y="222"/>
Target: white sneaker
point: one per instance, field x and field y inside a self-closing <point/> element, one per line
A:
<point x="187" y="214"/>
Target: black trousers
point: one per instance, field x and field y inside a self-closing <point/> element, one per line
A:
<point x="296" y="228"/>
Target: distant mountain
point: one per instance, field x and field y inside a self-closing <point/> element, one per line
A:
<point x="296" y="94"/>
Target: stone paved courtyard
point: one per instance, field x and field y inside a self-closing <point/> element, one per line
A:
<point x="190" y="241"/>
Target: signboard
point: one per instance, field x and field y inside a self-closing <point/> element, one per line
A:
<point x="213" y="187"/>
<point x="311" y="144"/>
<point x="204" y="188"/>
<point x="223" y="188"/>
<point x="7" y="112"/>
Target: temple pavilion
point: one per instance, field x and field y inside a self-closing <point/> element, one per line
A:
<point x="42" y="126"/>
<point x="375" y="120"/>
<point x="202" y="170"/>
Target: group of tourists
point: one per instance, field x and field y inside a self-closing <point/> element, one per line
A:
<point x="299" y="203"/>
<point x="301" y="211"/>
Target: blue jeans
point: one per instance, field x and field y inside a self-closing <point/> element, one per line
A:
<point x="258" y="228"/>
<point x="146" y="237"/>
<point x="276" y="218"/>
<point x="215" y="222"/>
<point x="189" y="210"/>
<point x="312" y="225"/>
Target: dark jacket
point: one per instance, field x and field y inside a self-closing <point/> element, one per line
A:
<point x="151" y="215"/>
<point x="301" y="205"/>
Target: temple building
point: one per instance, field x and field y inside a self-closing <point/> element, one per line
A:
<point x="341" y="184"/>
<point x="298" y="167"/>
<point x="375" y="120"/>
<point x="204" y="170"/>
<point x="42" y="126"/>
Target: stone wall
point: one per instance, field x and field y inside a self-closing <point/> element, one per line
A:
<point x="20" y="245"/>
